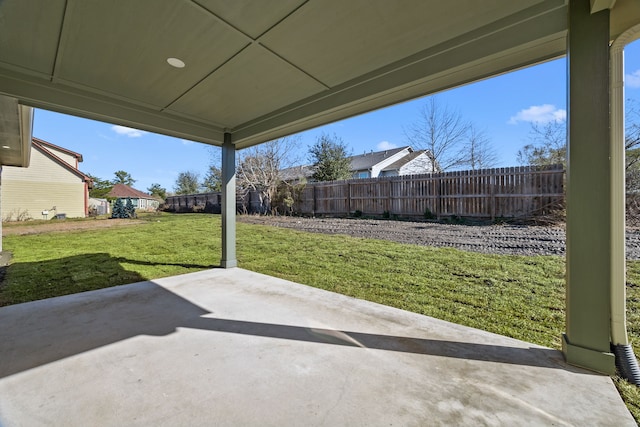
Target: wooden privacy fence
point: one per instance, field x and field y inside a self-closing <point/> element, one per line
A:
<point x="249" y="202"/>
<point x="488" y="193"/>
<point x="203" y="202"/>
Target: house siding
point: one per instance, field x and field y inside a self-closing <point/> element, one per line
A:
<point x="419" y="165"/>
<point x="146" y="204"/>
<point x="43" y="185"/>
<point x="375" y="170"/>
<point x="41" y="169"/>
<point x="20" y="196"/>
<point x="68" y="158"/>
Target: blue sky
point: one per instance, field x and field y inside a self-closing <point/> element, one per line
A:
<point x="503" y="107"/>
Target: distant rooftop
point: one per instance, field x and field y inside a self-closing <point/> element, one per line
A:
<point x="367" y="160"/>
<point x="403" y="161"/>
<point x="123" y="191"/>
<point x="360" y="162"/>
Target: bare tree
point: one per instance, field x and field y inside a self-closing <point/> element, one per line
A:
<point x="632" y="131"/>
<point x="549" y="141"/>
<point x="477" y="152"/>
<point x="259" y="168"/>
<point x="548" y="144"/>
<point x="632" y="147"/>
<point x="442" y="131"/>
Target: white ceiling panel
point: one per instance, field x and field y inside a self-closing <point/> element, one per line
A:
<point x="248" y="86"/>
<point x="252" y="17"/>
<point x="125" y="53"/>
<point x="337" y="40"/>
<point x="30" y="44"/>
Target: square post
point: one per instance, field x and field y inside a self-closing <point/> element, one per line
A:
<point x="589" y="233"/>
<point x="0" y="209"/>
<point x="228" y="204"/>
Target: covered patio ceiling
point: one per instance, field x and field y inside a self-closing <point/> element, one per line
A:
<point x="260" y="71"/>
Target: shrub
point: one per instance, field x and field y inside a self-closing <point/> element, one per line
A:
<point x="130" y="211"/>
<point x="118" y="209"/>
<point x="20" y="215"/>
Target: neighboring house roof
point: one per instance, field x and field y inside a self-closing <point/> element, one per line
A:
<point x="367" y="160"/>
<point x="124" y="191"/>
<point x="42" y="146"/>
<point x="362" y="162"/>
<point x="46" y="144"/>
<point x="406" y="159"/>
<point x="296" y="172"/>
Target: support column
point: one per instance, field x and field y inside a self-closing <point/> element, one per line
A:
<point x="228" y="204"/>
<point x="589" y="232"/>
<point x="0" y="209"/>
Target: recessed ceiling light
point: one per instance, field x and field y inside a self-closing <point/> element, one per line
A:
<point x="175" y="62"/>
<point x="6" y="147"/>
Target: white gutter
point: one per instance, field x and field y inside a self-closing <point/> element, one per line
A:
<point x="626" y="361"/>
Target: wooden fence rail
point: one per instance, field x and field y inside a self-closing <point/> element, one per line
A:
<point x="513" y="192"/>
<point x="488" y="193"/>
<point x="203" y="202"/>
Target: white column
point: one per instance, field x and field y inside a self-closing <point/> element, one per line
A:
<point x="228" y="204"/>
<point x="0" y="209"/>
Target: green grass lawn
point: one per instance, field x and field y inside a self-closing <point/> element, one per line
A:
<point x="517" y="296"/>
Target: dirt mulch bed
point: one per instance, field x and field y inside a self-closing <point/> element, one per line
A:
<point x="491" y="239"/>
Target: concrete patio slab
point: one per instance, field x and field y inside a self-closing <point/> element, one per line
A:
<point x="236" y="348"/>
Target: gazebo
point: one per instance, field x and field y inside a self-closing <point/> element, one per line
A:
<point x="236" y="74"/>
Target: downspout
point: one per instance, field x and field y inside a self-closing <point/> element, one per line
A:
<point x="86" y="198"/>
<point x="626" y="361"/>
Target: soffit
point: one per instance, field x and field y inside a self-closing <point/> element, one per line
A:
<point x="15" y="132"/>
<point x="250" y="17"/>
<point x="241" y="90"/>
<point x="342" y="40"/>
<point x="260" y="70"/>
<point x="124" y="54"/>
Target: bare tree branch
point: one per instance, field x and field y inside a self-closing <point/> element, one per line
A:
<point x="441" y="131"/>
<point x="259" y="168"/>
<point x="548" y="144"/>
<point x="478" y="153"/>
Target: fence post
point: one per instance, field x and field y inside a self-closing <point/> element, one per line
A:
<point x="314" y="205"/>
<point x="503" y="192"/>
<point x="492" y="196"/>
<point x="437" y="186"/>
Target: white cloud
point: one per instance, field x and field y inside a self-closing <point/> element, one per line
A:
<point x="632" y="80"/>
<point x="131" y="133"/>
<point x="540" y="114"/>
<point x="386" y="145"/>
<point x="186" y="142"/>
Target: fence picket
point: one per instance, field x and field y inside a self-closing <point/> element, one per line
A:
<point x="486" y="193"/>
